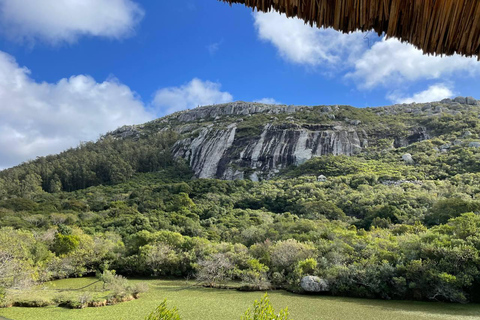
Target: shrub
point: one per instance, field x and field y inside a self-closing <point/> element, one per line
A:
<point x="85" y="298"/>
<point x="65" y="244"/>
<point x="215" y="271"/>
<point x="255" y="278"/>
<point x="74" y="304"/>
<point x="33" y="303"/>
<point x="119" y="286"/>
<point x="3" y="297"/>
<point x="263" y="310"/>
<point x="163" y="313"/>
<point x="138" y="288"/>
<point x="307" y="266"/>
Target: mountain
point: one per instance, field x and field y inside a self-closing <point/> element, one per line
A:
<point x="373" y="203"/>
<point x="253" y="141"/>
<point x="256" y="141"/>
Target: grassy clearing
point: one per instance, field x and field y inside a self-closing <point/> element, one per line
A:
<point x="210" y="304"/>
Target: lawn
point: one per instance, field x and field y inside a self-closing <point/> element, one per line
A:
<point x="196" y="303"/>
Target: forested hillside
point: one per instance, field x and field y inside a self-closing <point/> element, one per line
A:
<point x="394" y="218"/>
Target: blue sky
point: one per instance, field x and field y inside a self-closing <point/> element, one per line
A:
<point x="70" y="72"/>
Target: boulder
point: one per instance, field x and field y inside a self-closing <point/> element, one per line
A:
<point x="474" y="144"/>
<point x="321" y="178"/>
<point x="446" y="101"/>
<point x="445" y="146"/>
<point x="471" y="101"/>
<point x="314" y="284"/>
<point x="461" y="100"/>
<point x="407" y="157"/>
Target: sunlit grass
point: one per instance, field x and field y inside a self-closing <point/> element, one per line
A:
<point x="196" y="303"/>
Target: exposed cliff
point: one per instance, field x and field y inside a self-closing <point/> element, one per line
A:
<point x="217" y="153"/>
<point x="251" y="140"/>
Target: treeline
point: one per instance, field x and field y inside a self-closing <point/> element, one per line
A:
<point x="363" y="237"/>
<point x="107" y="161"/>
<point x="403" y="262"/>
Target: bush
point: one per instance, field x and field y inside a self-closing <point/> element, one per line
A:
<point x="215" y="271"/>
<point x="120" y="287"/>
<point x="138" y="288"/>
<point x="3" y="297"/>
<point x="163" y="313"/>
<point x="255" y="278"/>
<point x="263" y="310"/>
<point x="307" y="266"/>
<point x="65" y="244"/>
<point x="85" y="298"/>
<point x="34" y="303"/>
<point x="74" y="304"/>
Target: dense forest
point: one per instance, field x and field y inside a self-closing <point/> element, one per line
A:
<point x="370" y="225"/>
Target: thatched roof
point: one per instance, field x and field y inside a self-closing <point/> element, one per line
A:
<point x="435" y="26"/>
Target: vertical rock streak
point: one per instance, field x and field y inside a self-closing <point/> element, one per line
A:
<point x="216" y="153"/>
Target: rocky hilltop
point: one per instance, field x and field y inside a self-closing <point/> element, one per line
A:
<point x="251" y="140"/>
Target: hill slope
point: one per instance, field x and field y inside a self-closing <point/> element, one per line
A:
<point x="246" y="140"/>
<point x="252" y="141"/>
<point x="378" y="202"/>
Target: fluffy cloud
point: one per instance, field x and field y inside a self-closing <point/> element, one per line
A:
<point x="435" y="92"/>
<point x="302" y="44"/>
<point x="65" y="20"/>
<point x="390" y="61"/>
<point x="43" y="118"/>
<point x="366" y="59"/>
<point x="193" y="94"/>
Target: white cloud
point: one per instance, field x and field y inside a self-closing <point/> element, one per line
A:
<point x="65" y="20"/>
<point x="268" y="101"/>
<point x="44" y="118"/>
<point x="362" y="57"/>
<point x="193" y="94"/>
<point x="390" y="61"/>
<point x="435" y="92"/>
<point x="302" y="44"/>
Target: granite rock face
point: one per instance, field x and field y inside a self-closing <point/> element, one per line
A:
<point x="218" y="153"/>
<point x="220" y="148"/>
<point x="207" y="150"/>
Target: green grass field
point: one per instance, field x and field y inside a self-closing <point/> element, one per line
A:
<point x="196" y="303"/>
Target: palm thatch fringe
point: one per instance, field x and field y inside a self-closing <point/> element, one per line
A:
<point x="442" y="27"/>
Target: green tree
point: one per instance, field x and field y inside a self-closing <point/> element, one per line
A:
<point x="64" y="244"/>
<point x="444" y="210"/>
